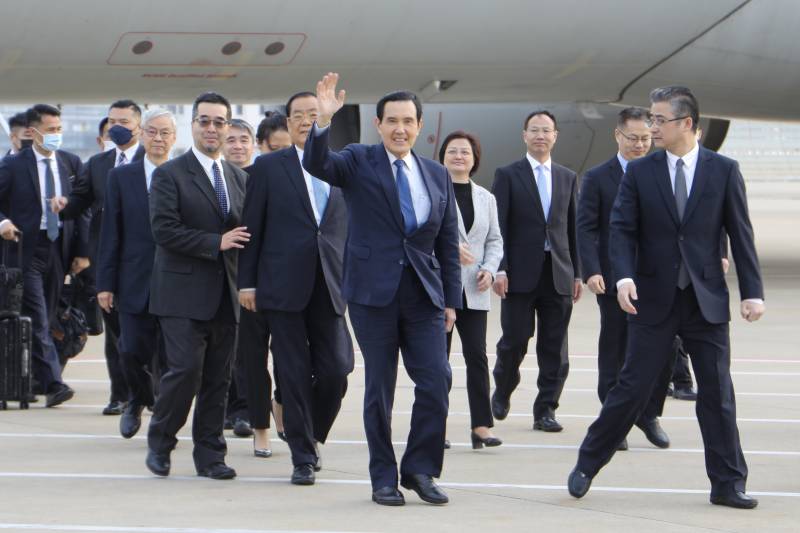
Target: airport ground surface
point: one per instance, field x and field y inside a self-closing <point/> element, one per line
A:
<point x="67" y="469"/>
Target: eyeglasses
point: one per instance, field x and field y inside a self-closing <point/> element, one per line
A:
<point x="153" y="133"/>
<point x="659" y="120"/>
<point x="205" y="122"/>
<point x="634" y="139"/>
<point x="543" y="131"/>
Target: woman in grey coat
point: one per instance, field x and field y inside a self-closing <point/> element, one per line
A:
<point x="481" y="252"/>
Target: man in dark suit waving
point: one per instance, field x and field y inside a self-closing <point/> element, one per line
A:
<point x="402" y="280"/>
<point x="540" y="275"/>
<point x="668" y="263"/>
<point x="292" y="270"/>
<point x="196" y="205"/>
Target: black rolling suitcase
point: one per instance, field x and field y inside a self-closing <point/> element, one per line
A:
<point x="15" y="334"/>
<point x="15" y="361"/>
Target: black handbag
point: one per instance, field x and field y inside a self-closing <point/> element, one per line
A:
<point x="11" y="282"/>
<point x="70" y="331"/>
<point x="86" y="300"/>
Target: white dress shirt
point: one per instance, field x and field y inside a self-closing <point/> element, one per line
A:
<point x="206" y="162"/>
<point x="419" y="193"/>
<point x="310" y="186"/>
<point x="41" y="167"/>
<point x="149" y="168"/>
<point x="623" y="162"/>
<point x="129" y="154"/>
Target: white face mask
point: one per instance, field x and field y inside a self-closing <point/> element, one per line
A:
<point x="108" y="145"/>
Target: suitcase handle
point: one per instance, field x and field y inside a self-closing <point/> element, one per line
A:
<point x="6" y="244"/>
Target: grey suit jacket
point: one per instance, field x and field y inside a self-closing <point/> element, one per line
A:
<point x="485" y="243"/>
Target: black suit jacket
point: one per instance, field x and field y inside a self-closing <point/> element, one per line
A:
<point x="648" y="240"/>
<point x="189" y="270"/>
<point x="127" y="248"/>
<point x="523" y="225"/>
<point x="280" y="260"/>
<point x="90" y="190"/>
<point x="20" y="201"/>
<point x="598" y="191"/>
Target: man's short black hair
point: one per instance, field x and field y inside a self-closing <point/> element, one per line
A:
<point x="102" y="126"/>
<point x="295" y="96"/>
<point x="398" y="96"/>
<point x="34" y="114"/>
<point x="681" y="100"/>
<point x="127" y="104"/>
<point x="18" y="121"/>
<point x="211" y="98"/>
<point x="273" y="121"/>
<point x="631" y="113"/>
<point x="537" y="113"/>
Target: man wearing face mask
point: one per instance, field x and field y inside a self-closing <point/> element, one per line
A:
<point x="18" y="134"/>
<point x="124" y="119"/>
<point x="104" y="142"/>
<point x="28" y="180"/>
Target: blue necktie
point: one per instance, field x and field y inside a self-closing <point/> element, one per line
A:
<point x="406" y="205"/>
<point x="219" y="188"/>
<point x="541" y="184"/>
<point x="122" y="159"/>
<point x="320" y="196"/>
<point x="51" y="219"/>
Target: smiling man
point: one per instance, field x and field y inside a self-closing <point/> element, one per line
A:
<point x="402" y="281"/>
<point x="196" y="204"/>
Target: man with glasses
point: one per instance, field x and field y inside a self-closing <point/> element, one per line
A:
<point x="598" y="191"/>
<point x="124" y="118"/>
<point x="292" y="273"/>
<point x="125" y="264"/>
<point x="196" y="204"/>
<point x="540" y="275"/>
<point x="665" y="231"/>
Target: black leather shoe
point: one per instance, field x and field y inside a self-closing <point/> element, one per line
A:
<point x="388" y="496"/>
<point x="500" y="408"/>
<point x="685" y="393"/>
<point x="282" y="436"/>
<point x="654" y="433"/>
<point x="131" y="420"/>
<point x="478" y="442"/>
<point x="578" y="483"/>
<point x="217" y="471"/>
<point x="447" y="444"/>
<point x="114" y="408"/>
<point x="228" y="423"/>
<point x="736" y="499"/>
<point x="157" y="463"/>
<point x="547" y="424"/>
<point x="303" y="475"/>
<point x="241" y="428"/>
<point x="425" y="488"/>
<point x="59" y="395"/>
<point x="623" y="445"/>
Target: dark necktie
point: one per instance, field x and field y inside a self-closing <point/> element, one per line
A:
<point x="51" y="219"/>
<point x="681" y="197"/>
<point x="406" y="205"/>
<point x="122" y="159"/>
<point x="219" y="188"/>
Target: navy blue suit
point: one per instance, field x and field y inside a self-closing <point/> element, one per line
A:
<point x="648" y="242"/>
<point x="125" y="265"/>
<point x="598" y="192"/>
<point x="397" y="287"/>
<point x="44" y="263"/>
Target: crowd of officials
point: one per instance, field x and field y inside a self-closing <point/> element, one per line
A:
<point x="206" y="262"/>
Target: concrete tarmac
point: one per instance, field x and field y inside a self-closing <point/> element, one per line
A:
<point x="67" y="469"/>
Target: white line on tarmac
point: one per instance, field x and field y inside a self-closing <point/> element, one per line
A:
<point x="521" y="415"/>
<point x="361" y="482"/>
<point x="88" y="436"/>
<point x="140" y="529"/>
